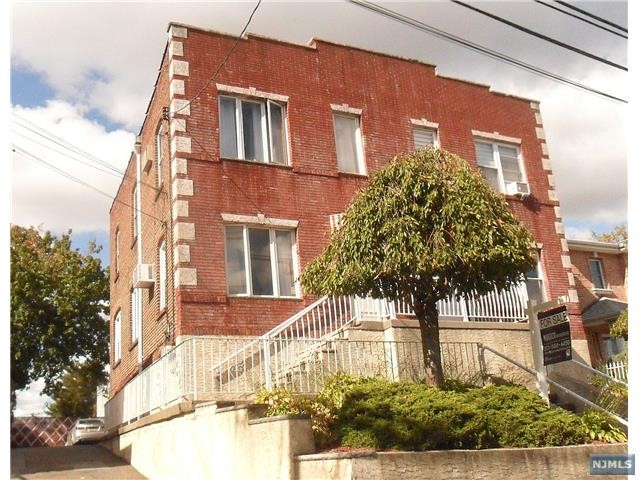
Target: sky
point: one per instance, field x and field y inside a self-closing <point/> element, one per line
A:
<point x="85" y="72"/>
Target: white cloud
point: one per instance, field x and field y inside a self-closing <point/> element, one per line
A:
<point x="578" y="233"/>
<point x="41" y="196"/>
<point x="31" y="400"/>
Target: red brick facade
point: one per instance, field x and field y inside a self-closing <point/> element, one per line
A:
<point x="200" y="186"/>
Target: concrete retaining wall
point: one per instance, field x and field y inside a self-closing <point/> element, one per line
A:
<point x="568" y="463"/>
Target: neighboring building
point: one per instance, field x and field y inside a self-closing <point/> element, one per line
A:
<point x="236" y="182"/>
<point x="600" y="271"/>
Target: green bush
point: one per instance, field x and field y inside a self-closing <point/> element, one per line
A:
<point x="600" y="426"/>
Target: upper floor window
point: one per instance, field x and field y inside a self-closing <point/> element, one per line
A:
<point x="117" y="337"/>
<point x="597" y="274"/>
<point x="335" y="221"/>
<point x="162" y="274"/>
<point x="424" y="137"/>
<point x="260" y="261"/>
<point x="117" y="251"/>
<point x="159" y="151"/>
<point x="499" y="163"/>
<point x="136" y="210"/>
<point x="253" y="130"/>
<point x="348" y="143"/>
<point x="136" y="314"/>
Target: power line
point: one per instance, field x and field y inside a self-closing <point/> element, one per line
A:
<point x="479" y="48"/>
<point x="580" y="18"/>
<point x="541" y="36"/>
<point x="591" y="15"/>
<point x="30" y="156"/>
<point x="217" y="70"/>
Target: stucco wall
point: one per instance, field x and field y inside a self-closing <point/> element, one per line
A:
<point x="512" y="463"/>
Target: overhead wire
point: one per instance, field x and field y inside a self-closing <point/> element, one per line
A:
<point x="591" y="15"/>
<point x="540" y="35"/>
<point x="30" y="156"/>
<point x="577" y="17"/>
<point x="479" y="48"/>
<point x="224" y="61"/>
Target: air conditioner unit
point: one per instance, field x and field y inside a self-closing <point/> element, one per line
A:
<point x="520" y="189"/>
<point x="143" y="275"/>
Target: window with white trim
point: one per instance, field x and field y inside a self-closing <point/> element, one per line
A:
<point x="424" y="137"/>
<point x="117" y="251"/>
<point x="135" y="211"/>
<point x="535" y="283"/>
<point x="162" y="275"/>
<point x="260" y="261"/>
<point x="136" y="314"/>
<point x="117" y="337"/>
<point x="348" y="143"/>
<point x="335" y="221"/>
<point x="253" y="129"/>
<point x="597" y="274"/>
<point x="159" y="151"/>
<point x="499" y="163"/>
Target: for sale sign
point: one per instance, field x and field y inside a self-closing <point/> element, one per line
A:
<point x="556" y="335"/>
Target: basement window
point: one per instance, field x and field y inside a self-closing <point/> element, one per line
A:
<point x="260" y="261"/>
<point x="253" y="130"/>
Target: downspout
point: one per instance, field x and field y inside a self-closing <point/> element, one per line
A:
<point x="138" y="149"/>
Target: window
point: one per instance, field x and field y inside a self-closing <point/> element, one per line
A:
<point x="335" y="221"/>
<point x="117" y="337"/>
<point x="135" y="209"/>
<point x="260" y="261"/>
<point x="613" y="346"/>
<point x="136" y="314"/>
<point x="500" y="164"/>
<point x="597" y="276"/>
<point x="159" y="151"/>
<point x="162" y="274"/>
<point x="535" y="285"/>
<point x="424" y="137"/>
<point x="348" y="143"/>
<point x="253" y="130"/>
<point x="117" y="251"/>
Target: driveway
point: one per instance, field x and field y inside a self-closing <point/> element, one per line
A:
<point x="70" y="463"/>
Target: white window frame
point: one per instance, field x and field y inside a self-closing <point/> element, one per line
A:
<point x="135" y="209"/>
<point x="117" y="251"/>
<point x="598" y="261"/>
<point x="362" y="168"/>
<point x="265" y="123"/>
<point x="159" y="152"/>
<point x="136" y="314"/>
<point x="162" y="275"/>
<point x="540" y="277"/>
<point x="117" y="337"/>
<point x="274" y="261"/>
<point x="335" y="221"/>
<point x="436" y="136"/>
<point x="498" y="162"/>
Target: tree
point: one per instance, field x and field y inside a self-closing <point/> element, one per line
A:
<point x="76" y="395"/>
<point x="619" y="234"/>
<point x="620" y="327"/>
<point x="427" y="226"/>
<point x="58" y="307"/>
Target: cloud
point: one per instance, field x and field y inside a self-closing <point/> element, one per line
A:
<point x="40" y="196"/>
<point x="31" y="400"/>
<point x="578" y="233"/>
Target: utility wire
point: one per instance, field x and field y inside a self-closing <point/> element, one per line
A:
<point x="541" y="36"/>
<point x="30" y="156"/>
<point x="479" y="48"/>
<point x="580" y="18"/>
<point x="591" y="15"/>
<point x="217" y="70"/>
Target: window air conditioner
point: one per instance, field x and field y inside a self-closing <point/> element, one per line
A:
<point x="143" y="275"/>
<point x="521" y="189"/>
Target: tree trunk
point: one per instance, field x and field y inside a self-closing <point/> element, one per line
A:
<point x="427" y="315"/>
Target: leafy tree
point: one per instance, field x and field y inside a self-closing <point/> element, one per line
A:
<point x="620" y="327"/>
<point x="76" y="396"/>
<point x="619" y="234"/>
<point x="425" y="227"/>
<point x="58" y="307"/>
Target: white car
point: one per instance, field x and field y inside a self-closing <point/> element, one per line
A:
<point x="85" y="430"/>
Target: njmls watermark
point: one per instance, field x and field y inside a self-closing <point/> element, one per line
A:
<point x="623" y="464"/>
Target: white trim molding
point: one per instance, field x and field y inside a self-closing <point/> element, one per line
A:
<point x="496" y="136"/>
<point x="258" y="220"/>
<point x="252" y="92"/>
<point x="423" y="122"/>
<point x="344" y="108"/>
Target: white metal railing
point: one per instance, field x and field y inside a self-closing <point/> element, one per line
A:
<point x="617" y="370"/>
<point x="506" y="306"/>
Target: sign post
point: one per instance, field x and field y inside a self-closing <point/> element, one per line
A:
<point x="536" y="342"/>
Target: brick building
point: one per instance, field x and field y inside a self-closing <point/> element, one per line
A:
<point x="235" y="182"/>
<point x="600" y="270"/>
